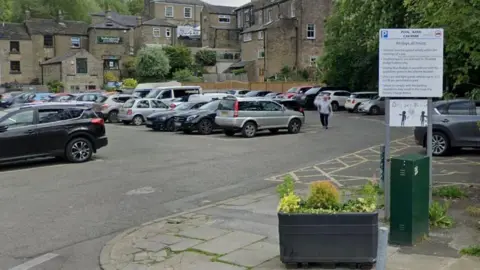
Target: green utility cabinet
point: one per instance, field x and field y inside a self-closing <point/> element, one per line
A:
<point x="409" y="199"/>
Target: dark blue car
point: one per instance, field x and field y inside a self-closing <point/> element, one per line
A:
<point x="165" y="120"/>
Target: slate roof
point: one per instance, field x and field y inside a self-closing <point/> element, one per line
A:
<point x="255" y="28"/>
<point x="62" y="57"/>
<point x="109" y="25"/>
<point x="158" y="22"/>
<point x="14" y="31"/>
<point x="225" y="27"/>
<point x="183" y="2"/>
<point x="240" y="64"/>
<point x="213" y="9"/>
<point x="51" y="27"/>
<point x="126" y="20"/>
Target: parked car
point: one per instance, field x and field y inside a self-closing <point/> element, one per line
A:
<point x="165" y="120"/>
<point x="109" y="106"/>
<point x="249" y="115"/>
<point x="294" y="91"/>
<point x="455" y="126"/>
<point x="201" y="120"/>
<point x="238" y="93"/>
<point x="337" y="98"/>
<point x="89" y="97"/>
<point x="356" y="98"/>
<point x="62" y="97"/>
<point x="307" y="99"/>
<point x="374" y="106"/>
<point x="291" y="105"/>
<point x="137" y="110"/>
<point x="273" y="95"/>
<point x="169" y="93"/>
<point x="141" y="93"/>
<point x="61" y="130"/>
<point x="257" y="93"/>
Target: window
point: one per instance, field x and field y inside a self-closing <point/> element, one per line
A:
<point x="111" y="64"/>
<point x="157" y="104"/>
<point x="48" y="41"/>
<point x="247" y="37"/>
<point x="187" y="12"/>
<point x="15" y="67"/>
<point x="121" y="99"/>
<point x="143" y="104"/>
<point x="166" y="94"/>
<point x="292" y="9"/>
<point x="196" y="106"/>
<point x="313" y="61"/>
<point x="75" y="42"/>
<point x="52" y="115"/>
<point x="261" y="72"/>
<point x="82" y="65"/>
<point x="14" y="47"/>
<point x="20" y="119"/>
<point x="261" y="54"/>
<point x="269" y="16"/>
<point x="260" y="35"/>
<point x="168" y="32"/>
<point x="247" y="17"/>
<point x="310" y="31"/>
<point x="88" y="97"/>
<point x="223" y="19"/>
<point x="250" y="106"/>
<point x="461" y="108"/>
<point x="169" y="12"/>
<point x="239" y="20"/>
<point x="156" y="32"/>
<point x="341" y="94"/>
<point x="270" y="106"/>
<point x="260" y="17"/>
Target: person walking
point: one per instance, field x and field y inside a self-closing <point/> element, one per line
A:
<point x="324" y="108"/>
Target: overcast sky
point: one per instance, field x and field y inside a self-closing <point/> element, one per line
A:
<point x="233" y="3"/>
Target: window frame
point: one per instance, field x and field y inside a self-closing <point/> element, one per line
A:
<point x="265" y="102"/>
<point x="269" y="15"/>
<point x="12" y="71"/>
<point x="72" y="42"/>
<point x="168" y="32"/>
<point x="167" y="15"/>
<point x="292" y="9"/>
<point x="78" y="68"/>
<point x="157" y="32"/>
<point x="261" y="54"/>
<point x="311" y="31"/>
<point x="160" y="104"/>
<point x="260" y="17"/>
<point x="185" y="12"/>
<point x="17" y="50"/>
<point x="107" y="67"/>
<point x="226" y="17"/>
<point x="471" y="110"/>
<point x="57" y="110"/>
<point x="247" y="37"/>
<point x="260" y="35"/>
<point x="48" y="38"/>
<point x="313" y="60"/>
<point x="143" y="100"/>
<point x="16" y="113"/>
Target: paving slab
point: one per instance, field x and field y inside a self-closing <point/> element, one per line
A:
<point x="465" y="263"/>
<point x="252" y="255"/>
<point x="192" y="261"/>
<point x="229" y="242"/>
<point x="401" y="261"/>
<point x="166" y="239"/>
<point x="135" y="266"/>
<point x="149" y="245"/>
<point x="185" y="244"/>
<point x="205" y="233"/>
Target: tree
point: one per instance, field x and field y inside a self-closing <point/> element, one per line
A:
<point x="6" y="12"/>
<point x="185" y="75"/>
<point x="135" y="7"/>
<point x="206" y="58"/>
<point x="179" y="56"/>
<point x="129" y="83"/>
<point x="152" y="64"/>
<point x="129" y="65"/>
<point x="110" y="77"/>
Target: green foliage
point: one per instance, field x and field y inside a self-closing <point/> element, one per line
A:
<point x="110" y="77"/>
<point x="206" y="58"/>
<point x="135" y="7"/>
<point x="289" y="74"/>
<point x="179" y="56"/>
<point x="324" y="195"/>
<point x="473" y="211"/>
<point x="474" y="94"/>
<point x="239" y="71"/>
<point x="185" y="75"/>
<point x="449" y="96"/>
<point x="55" y="86"/>
<point x="129" y="83"/>
<point x="449" y="192"/>
<point x="471" y="251"/>
<point x="286" y="187"/>
<point x="289" y="203"/>
<point x="129" y="65"/>
<point x="152" y="64"/>
<point x="6" y="11"/>
<point x="438" y="215"/>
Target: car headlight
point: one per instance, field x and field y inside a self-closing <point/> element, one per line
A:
<point x="303" y="97"/>
<point x="191" y="117"/>
<point x="162" y="118"/>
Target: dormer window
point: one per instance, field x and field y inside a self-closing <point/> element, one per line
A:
<point x="14" y="46"/>
<point x="48" y="41"/>
<point x="109" y="24"/>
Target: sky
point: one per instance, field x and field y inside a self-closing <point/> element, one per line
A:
<point x="232" y="3"/>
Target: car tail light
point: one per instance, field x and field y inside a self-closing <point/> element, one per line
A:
<point x="104" y="106"/>
<point x="172" y="106"/>
<point x="329" y="97"/>
<point x="353" y="101"/>
<point x="129" y="112"/>
<point x="235" y="109"/>
<point x="98" y="121"/>
<point x="301" y="110"/>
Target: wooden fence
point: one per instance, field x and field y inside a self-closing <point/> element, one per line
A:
<point x="280" y="87"/>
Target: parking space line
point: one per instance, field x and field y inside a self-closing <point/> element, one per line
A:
<point x="35" y="262"/>
<point x="331" y="178"/>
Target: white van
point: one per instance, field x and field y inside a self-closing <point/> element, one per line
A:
<point x="208" y="97"/>
<point x="143" y="89"/>
<point x="169" y="93"/>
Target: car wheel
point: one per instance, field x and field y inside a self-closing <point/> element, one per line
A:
<point x="440" y="144"/>
<point x="126" y="122"/>
<point x="156" y="128"/>
<point x="249" y="129"/>
<point x="170" y="126"/>
<point x="374" y="110"/>
<point x="113" y="117"/>
<point x="355" y="109"/>
<point x="350" y="110"/>
<point x="273" y="130"/>
<point x="229" y="133"/>
<point x="294" y="126"/>
<point x="137" y="120"/>
<point x="205" y="127"/>
<point x="335" y="106"/>
<point x="79" y="150"/>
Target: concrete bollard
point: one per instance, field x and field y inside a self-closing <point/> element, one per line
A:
<point x="382" y="249"/>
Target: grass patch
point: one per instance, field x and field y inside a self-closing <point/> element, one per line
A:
<point x="438" y="215"/>
<point x="449" y="192"/>
<point x="473" y="211"/>
<point x="471" y="251"/>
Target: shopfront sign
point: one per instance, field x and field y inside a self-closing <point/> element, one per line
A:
<point x="109" y="40"/>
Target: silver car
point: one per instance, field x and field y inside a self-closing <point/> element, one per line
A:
<point x="249" y="115"/>
<point x="373" y="106"/>
<point x="109" y="106"/>
<point x="137" y="110"/>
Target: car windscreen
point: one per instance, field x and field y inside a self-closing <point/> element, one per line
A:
<point x="129" y="103"/>
<point x="252" y="94"/>
<point x="292" y="90"/>
<point x="153" y="93"/>
<point x="226" y="105"/>
<point x="312" y="91"/>
<point x="3" y="113"/>
<point x="141" y="93"/>
<point x="101" y="99"/>
<point x="211" y="106"/>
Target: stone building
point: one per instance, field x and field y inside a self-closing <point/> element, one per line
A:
<point x="279" y="33"/>
<point x="177" y="12"/>
<point x="219" y="27"/>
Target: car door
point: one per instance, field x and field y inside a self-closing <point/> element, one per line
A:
<point x="158" y="106"/>
<point x="143" y="107"/>
<point x="166" y="95"/>
<point x="18" y="135"/>
<point x="341" y="97"/>
<point x="52" y="129"/>
<point x="273" y="114"/>
<point x="460" y="120"/>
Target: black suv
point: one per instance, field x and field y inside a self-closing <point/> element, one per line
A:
<point x="201" y="120"/>
<point x="69" y="131"/>
<point x="306" y="100"/>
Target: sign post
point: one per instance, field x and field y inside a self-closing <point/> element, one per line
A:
<point x="410" y="66"/>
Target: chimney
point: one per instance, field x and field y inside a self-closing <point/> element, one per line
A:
<point x="108" y="14"/>
<point x="27" y="15"/>
<point x="139" y="20"/>
<point x="60" y="16"/>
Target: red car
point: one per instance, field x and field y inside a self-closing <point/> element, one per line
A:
<point x="294" y="91"/>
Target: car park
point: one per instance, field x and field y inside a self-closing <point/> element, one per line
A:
<point x="273" y="95"/>
<point x="89" y="97"/>
<point x="136" y="111"/>
<point x="141" y="93"/>
<point x="356" y="98"/>
<point x="50" y="129"/>
<point x="307" y="99"/>
<point x="374" y="106"/>
<point x="165" y="120"/>
<point x="169" y="93"/>
<point x="454" y="126"/>
<point x="257" y="93"/>
<point x="110" y="105"/>
<point x="201" y="120"/>
<point x="249" y="115"/>
<point x="238" y="92"/>
<point x="62" y="97"/>
<point x="291" y="104"/>
<point x="337" y="98"/>
<point x="294" y="91"/>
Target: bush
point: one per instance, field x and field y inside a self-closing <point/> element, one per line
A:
<point x="206" y="58"/>
<point x="129" y="83"/>
<point x="438" y="215"/>
<point x="152" y="64"/>
<point x="55" y="86"/>
<point x="185" y="75"/>
<point x="110" y="77"/>
<point x="449" y="192"/>
<point x="239" y="71"/>
<point x="324" y="195"/>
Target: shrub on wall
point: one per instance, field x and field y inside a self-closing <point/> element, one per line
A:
<point x="206" y="58"/>
<point x="55" y="86"/>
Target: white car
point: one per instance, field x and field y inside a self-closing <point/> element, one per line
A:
<point x="353" y="102"/>
<point x="337" y="98"/>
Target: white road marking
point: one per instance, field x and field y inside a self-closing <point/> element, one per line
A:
<point x="37" y="261"/>
<point x="141" y="191"/>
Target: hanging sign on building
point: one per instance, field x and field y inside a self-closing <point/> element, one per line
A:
<point x="109" y="40"/>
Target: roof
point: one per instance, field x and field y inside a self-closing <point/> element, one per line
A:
<point x="158" y="22"/>
<point x="126" y="20"/>
<point x="240" y="64"/>
<point x="213" y="9"/>
<point x="62" y="57"/>
<point x="249" y="4"/>
<point x="14" y="31"/>
<point x="109" y="24"/>
<point x="184" y="2"/>
<point x="255" y="28"/>
<point x="225" y="27"/>
<point x="50" y="27"/>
